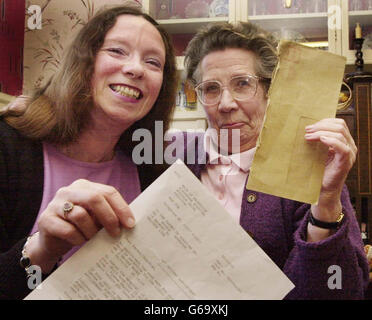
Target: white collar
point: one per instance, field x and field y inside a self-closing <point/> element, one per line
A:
<point x="243" y="159"/>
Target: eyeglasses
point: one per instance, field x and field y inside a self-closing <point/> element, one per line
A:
<point x="241" y="88"/>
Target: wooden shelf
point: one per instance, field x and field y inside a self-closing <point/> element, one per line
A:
<point x="174" y="26"/>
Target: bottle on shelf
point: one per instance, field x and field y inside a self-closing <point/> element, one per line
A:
<point x="358" y="31"/>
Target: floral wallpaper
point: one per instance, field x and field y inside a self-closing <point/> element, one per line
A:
<point x="60" y="21"/>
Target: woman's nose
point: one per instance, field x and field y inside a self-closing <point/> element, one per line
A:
<point x="227" y="102"/>
<point x="133" y="68"/>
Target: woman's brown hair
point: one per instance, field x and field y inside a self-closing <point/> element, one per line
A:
<point x="60" y="111"/>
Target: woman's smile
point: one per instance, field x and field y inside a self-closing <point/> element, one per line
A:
<point x="127" y="91"/>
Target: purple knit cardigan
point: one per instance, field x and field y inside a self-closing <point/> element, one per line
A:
<point x="279" y="227"/>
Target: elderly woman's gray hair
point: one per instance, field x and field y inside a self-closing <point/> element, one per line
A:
<point x="244" y="35"/>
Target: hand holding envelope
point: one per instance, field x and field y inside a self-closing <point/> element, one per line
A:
<point x="341" y="156"/>
<point x="302" y="100"/>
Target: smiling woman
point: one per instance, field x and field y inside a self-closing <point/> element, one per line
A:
<point x="65" y="157"/>
<point x="128" y="72"/>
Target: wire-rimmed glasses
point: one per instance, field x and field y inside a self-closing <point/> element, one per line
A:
<point x="241" y="88"/>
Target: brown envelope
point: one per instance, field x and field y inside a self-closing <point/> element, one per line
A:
<point x="305" y="89"/>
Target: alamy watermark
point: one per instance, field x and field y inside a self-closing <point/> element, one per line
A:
<point x="335" y="280"/>
<point x="34" y="20"/>
<point x="187" y="146"/>
<point x="334" y="17"/>
<point x="34" y="278"/>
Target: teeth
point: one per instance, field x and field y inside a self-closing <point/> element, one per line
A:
<point x="125" y="91"/>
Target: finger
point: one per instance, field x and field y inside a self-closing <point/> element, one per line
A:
<point x="315" y="136"/>
<point x="329" y="124"/>
<point x="56" y="227"/>
<point x="339" y="148"/>
<point x="118" y="205"/>
<point x="336" y="125"/>
<point x="89" y="195"/>
<point x="103" y="213"/>
<point x="104" y="203"/>
<point x="121" y="208"/>
<point x="82" y="220"/>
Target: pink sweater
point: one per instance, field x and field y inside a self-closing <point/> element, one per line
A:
<point x="60" y="171"/>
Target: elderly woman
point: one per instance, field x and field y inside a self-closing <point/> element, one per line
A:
<point x="65" y="158"/>
<point x="231" y="67"/>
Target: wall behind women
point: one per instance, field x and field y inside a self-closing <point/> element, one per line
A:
<point x="44" y="48"/>
<point x="12" y="17"/>
<point x="30" y="52"/>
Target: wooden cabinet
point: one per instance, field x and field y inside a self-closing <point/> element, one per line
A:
<point x="326" y="24"/>
<point x="292" y="19"/>
<point x="187" y="16"/>
<point x="359" y="120"/>
<point x="297" y="20"/>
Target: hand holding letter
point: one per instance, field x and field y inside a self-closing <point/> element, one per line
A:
<point x="92" y="206"/>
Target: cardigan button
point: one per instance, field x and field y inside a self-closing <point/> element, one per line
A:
<point x="251" y="198"/>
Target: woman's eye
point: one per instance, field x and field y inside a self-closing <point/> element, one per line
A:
<point x="155" y="63"/>
<point x="243" y="83"/>
<point x="116" y="51"/>
<point x="211" y="88"/>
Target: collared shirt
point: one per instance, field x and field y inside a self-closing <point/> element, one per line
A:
<point x="225" y="175"/>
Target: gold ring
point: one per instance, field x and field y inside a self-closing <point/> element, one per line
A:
<point x="67" y="208"/>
